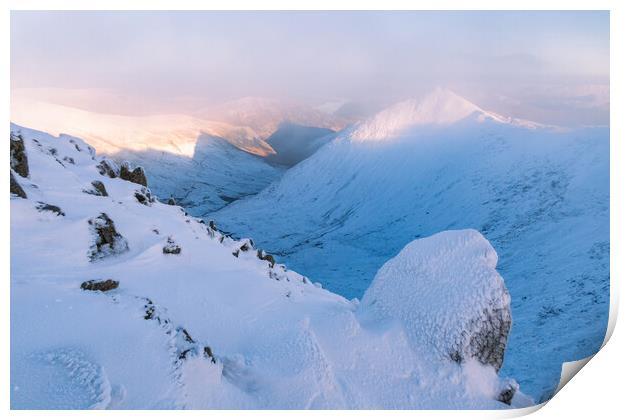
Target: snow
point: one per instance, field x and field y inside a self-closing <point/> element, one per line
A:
<point x="277" y="340"/>
<point x="539" y="195"/>
<point x="110" y="133"/>
<point x="439" y="107"/>
<point x="452" y="270"/>
<point x="216" y="174"/>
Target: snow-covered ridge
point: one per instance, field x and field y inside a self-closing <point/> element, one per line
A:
<point x="109" y="133"/>
<point x="439" y="107"/>
<point x="121" y="301"/>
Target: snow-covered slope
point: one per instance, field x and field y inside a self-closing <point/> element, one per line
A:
<point x="540" y="194"/>
<point x="202" y="164"/>
<point x="120" y="301"/>
<point x="216" y="174"/>
<point x="108" y="133"/>
<point x="293" y="143"/>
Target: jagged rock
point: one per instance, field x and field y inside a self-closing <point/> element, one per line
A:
<point x="171" y="247"/>
<point x="108" y="241"/>
<point x="136" y="176"/>
<point x="19" y="159"/>
<point x="171" y="201"/>
<point x="262" y="255"/>
<point x="212" y="225"/>
<point x="144" y="196"/>
<point x="508" y="392"/>
<point x="99" y="285"/>
<point x="69" y="159"/>
<point x="50" y="207"/>
<point x="17" y="189"/>
<point x="98" y="189"/>
<point x="108" y="168"/>
<point x="247" y="245"/>
<point x="207" y="352"/>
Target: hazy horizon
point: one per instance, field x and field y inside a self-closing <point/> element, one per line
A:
<point x="550" y="67"/>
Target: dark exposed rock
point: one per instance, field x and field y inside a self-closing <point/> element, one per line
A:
<point x="262" y="255"/>
<point x="136" y="176"/>
<point x="99" y="285"/>
<point x="488" y="341"/>
<point x="171" y="201"/>
<point x="247" y="245"/>
<point x="50" y="207"/>
<point x="108" y="168"/>
<point x="212" y="225"/>
<point x="236" y="253"/>
<point x="171" y="247"/>
<point x="17" y="189"/>
<point x="508" y="392"/>
<point x="185" y="345"/>
<point x="144" y="196"/>
<point x="69" y="159"/>
<point x="108" y="241"/>
<point x="97" y="189"/>
<point x="207" y="352"/>
<point x="19" y="159"/>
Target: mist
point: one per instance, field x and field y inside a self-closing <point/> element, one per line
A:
<point x="551" y="67"/>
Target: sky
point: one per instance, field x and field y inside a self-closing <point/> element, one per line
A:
<point x="550" y="67"/>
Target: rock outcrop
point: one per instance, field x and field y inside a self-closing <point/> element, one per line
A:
<point x="144" y="196"/>
<point x="98" y="188"/>
<point x="50" y="207"/>
<point x="108" y="168"/>
<point x="171" y="247"/>
<point x="108" y="241"/>
<point x="136" y="175"/>
<point x="99" y="285"/>
<point x="17" y="189"/>
<point x="19" y="159"/>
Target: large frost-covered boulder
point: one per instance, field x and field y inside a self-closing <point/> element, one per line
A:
<point x="447" y="294"/>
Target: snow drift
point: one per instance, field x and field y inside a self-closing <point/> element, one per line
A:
<point x="183" y="316"/>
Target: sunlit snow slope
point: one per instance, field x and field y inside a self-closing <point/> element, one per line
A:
<point x="198" y="320"/>
<point x="202" y="164"/>
<point x="539" y="194"/>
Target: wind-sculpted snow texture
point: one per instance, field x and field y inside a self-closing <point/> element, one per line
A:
<point x="215" y="326"/>
<point x="539" y="194"/>
<point x="454" y="271"/>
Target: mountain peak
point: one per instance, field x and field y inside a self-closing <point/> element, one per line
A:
<point x="440" y="106"/>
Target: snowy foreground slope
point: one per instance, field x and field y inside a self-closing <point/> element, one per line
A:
<point x="120" y="301"/>
<point x="539" y="194"/>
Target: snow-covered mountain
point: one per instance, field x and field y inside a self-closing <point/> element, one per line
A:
<point x="109" y="133"/>
<point x="264" y="115"/>
<point x="216" y="174"/>
<point x="539" y="194"/>
<point x="202" y="164"/>
<point x="121" y="301"/>
<point x="293" y="143"/>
